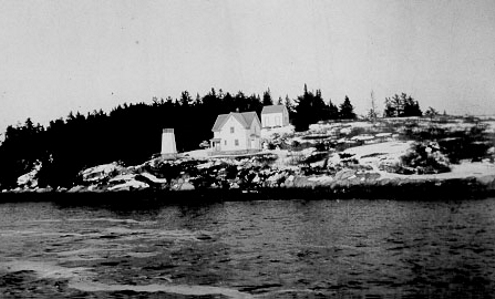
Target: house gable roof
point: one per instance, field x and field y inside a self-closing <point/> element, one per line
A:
<point x="245" y="119"/>
<point x="249" y="117"/>
<point x="273" y="109"/>
<point x="221" y="119"/>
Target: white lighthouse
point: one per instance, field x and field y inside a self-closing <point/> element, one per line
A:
<point x="168" y="143"/>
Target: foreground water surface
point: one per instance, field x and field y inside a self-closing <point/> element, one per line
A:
<point x="256" y="249"/>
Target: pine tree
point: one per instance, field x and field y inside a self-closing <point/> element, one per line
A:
<point x="290" y="107"/>
<point x="309" y="110"/>
<point x="267" y="98"/>
<point x="185" y="99"/>
<point x="347" y="110"/>
<point x="332" y="111"/>
<point x="431" y="112"/>
<point x="390" y="109"/>
<point x="401" y="106"/>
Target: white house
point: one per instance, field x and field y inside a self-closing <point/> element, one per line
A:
<point x="236" y="133"/>
<point x="274" y="116"/>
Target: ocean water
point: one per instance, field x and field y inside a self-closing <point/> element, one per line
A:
<point x="257" y="249"/>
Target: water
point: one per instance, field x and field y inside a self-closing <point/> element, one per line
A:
<point x="257" y="249"/>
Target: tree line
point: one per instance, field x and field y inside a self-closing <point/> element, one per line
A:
<point x="131" y="133"/>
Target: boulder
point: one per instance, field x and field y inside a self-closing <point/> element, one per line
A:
<point x="121" y="178"/>
<point x="186" y="186"/>
<point x="128" y="186"/>
<point x="275" y="178"/>
<point x="100" y="172"/>
<point x="150" y="179"/>
<point x="77" y="189"/>
<point x="371" y="176"/>
<point x="30" y="179"/>
<point x="488" y="181"/>
<point x="301" y="181"/>
<point x="344" y="174"/>
<point x="44" y="190"/>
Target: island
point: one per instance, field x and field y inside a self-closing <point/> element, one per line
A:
<point x="407" y="158"/>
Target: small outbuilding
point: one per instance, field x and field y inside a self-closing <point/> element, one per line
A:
<point x="274" y="116"/>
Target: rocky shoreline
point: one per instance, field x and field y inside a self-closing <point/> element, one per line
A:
<point x="395" y="189"/>
<point x="374" y="171"/>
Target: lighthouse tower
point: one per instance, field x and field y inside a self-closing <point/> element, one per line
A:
<point x="168" y="143"/>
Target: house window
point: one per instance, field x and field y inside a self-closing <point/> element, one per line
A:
<point x="225" y="142"/>
<point x="265" y="122"/>
<point x="236" y="142"/>
<point x="232" y="130"/>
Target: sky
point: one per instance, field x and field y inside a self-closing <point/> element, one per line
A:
<point x="62" y="56"/>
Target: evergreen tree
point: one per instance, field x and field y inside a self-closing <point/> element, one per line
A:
<point x="267" y="98"/>
<point x="431" y="112"/>
<point x="254" y="104"/>
<point x="197" y="101"/>
<point x="401" y="106"/>
<point x="347" y="110"/>
<point x="390" y="109"/>
<point x="240" y="101"/>
<point x="309" y="110"/>
<point x="332" y="111"/>
<point x="290" y="107"/>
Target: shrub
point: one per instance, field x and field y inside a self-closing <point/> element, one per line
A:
<point x="297" y="147"/>
<point x="296" y="159"/>
<point x="355" y="131"/>
<point x="315" y="157"/>
<point x="471" y="144"/>
<point x="271" y="146"/>
<point x="264" y="159"/>
<point x="424" y="158"/>
<point x="322" y="146"/>
<point x="457" y="144"/>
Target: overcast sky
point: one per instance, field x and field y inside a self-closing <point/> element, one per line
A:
<point x="62" y="56"/>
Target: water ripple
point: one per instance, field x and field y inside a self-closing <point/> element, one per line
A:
<point x="262" y="249"/>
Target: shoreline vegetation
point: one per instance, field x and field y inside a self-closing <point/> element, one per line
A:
<point x="328" y="151"/>
<point x="412" y="158"/>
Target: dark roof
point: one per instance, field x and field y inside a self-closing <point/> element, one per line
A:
<point x="245" y="118"/>
<point x="273" y="109"/>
